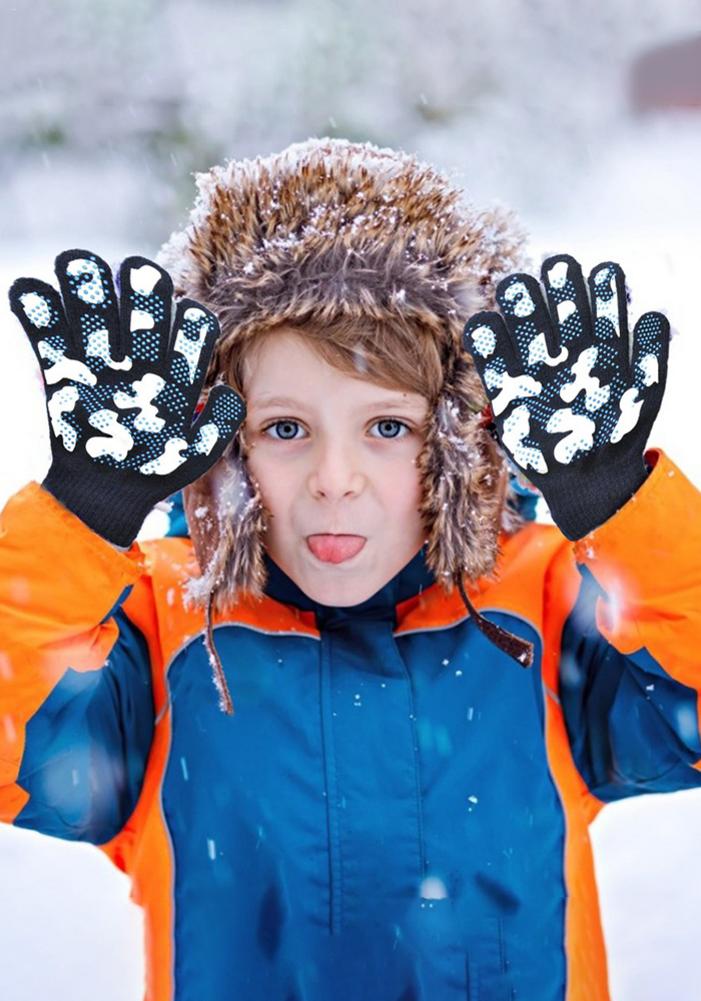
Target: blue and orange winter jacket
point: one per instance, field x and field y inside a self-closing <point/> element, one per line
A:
<point x="397" y="811"/>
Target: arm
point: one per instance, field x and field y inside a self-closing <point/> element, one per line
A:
<point x="630" y="674"/>
<point x="76" y="702"/>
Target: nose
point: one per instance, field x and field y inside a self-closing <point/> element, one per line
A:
<point x="335" y="473"/>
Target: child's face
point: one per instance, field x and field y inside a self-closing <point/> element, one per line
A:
<point x="336" y="456"/>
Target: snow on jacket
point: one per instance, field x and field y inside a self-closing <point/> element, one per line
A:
<point x="397" y="810"/>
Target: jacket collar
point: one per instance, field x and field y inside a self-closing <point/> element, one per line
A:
<point x="412" y="579"/>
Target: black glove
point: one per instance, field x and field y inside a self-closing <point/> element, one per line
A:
<point x="120" y="392"/>
<point x="573" y="407"/>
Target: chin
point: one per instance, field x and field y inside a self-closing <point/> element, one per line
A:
<point x="329" y="589"/>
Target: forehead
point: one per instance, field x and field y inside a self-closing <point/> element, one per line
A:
<point x="278" y="349"/>
<point x="284" y="368"/>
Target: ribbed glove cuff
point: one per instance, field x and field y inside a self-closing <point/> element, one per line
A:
<point x="111" y="509"/>
<point x="578" y="509"/>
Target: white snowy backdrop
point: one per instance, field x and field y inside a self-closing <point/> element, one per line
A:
<point x="106" y="108"/>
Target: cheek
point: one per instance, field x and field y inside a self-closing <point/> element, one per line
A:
<point x="401" y="485"/>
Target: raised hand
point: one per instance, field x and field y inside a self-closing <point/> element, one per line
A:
<point x="121" y="391"/>
<point x="573" y="404"/>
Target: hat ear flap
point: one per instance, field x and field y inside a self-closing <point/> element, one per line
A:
<point x="227" y="519"/>
<point x="461" y="468"/>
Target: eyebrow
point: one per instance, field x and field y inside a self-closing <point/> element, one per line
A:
<point x="288" y="401"/>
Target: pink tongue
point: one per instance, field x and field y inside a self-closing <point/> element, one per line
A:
<point x="335" y="548"/>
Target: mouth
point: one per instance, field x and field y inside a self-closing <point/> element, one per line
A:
<point x="335" y="548"/>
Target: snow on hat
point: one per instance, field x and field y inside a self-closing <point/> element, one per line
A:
<point x="329" y="228"/>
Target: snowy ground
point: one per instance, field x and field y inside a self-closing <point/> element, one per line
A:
<point x="67" y="927"/>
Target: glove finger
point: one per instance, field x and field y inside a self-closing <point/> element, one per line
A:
<point x="90" y="302"/>
<point x="196" y="330"/>
<point x="568" y="306"/>
<point x="649" y="374"/>
<point x="527" y="318"/>
<point x="146" y="293"/>
<point x="607" y="289"/>
<point x="497" y="361"/>
<point x="216" y="425"/>
<point x="38" y="307"/>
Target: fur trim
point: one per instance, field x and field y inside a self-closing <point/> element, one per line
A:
<point x="328" y="228"/>
<point x="227" y="521"/>
<point x="463" y="493"/>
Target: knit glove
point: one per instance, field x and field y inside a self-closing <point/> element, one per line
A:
<point x="120" y="390"/>
<point x="573" y="406"/>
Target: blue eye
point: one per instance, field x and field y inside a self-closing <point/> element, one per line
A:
<point x="391" y="428"/>
<point x="287" y="430"/>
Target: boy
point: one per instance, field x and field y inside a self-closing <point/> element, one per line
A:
<point x="398" y="809"/>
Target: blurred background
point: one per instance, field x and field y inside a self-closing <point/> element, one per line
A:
<point x="585" y="120"/>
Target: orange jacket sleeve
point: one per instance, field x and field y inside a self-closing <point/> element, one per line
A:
<point x="630" y="668"/>
<point x="76" y="707"/>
